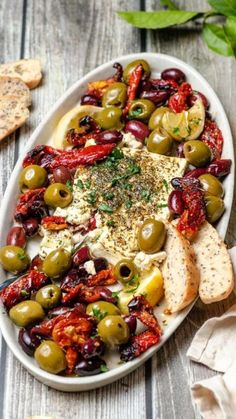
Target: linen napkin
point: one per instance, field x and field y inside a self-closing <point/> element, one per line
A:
<point x="214" y="345"/>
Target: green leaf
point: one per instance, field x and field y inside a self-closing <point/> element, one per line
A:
<point x="230" y="30"/>
<point x="169" y="3"/>
<point x="105" y="208"/>
<point x="216" y="39"/>
<point x="226" y="7"/>
<point x="158" y="20"/>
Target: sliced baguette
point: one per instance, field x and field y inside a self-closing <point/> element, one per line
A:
<point x="10" y="86"/>
<point x="180" y="274"/>
<point x="29" y="71"/>
<point x="13" y="115"/>
<point x="214" y="264"/>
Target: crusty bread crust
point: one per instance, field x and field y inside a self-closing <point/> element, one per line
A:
<point x="12" y="86"/>
<point x="13" y="114"/>
<point x="29" y="71"/>
<point x="214" y="264"/>
<point x="180" y="273"/>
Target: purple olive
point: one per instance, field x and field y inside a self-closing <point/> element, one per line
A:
<point x="138" y="129"/>
<point x="159" y="97"/>
<point x="81" y="255"/>
<point x="36" y="263"/>
<point x="16" y="237"/>
<point x="107" y="137"/>
<point x="192" y="99"/>
<point x="62" y="175"/>
<point x="100" y="264"/>
<point x="90" y="366"/>
<point x="89" y="100"/>
<point x="144" y="86"/>
<point x="175" y="202"/>
<point x="28" y="342"/>
<point x="173" y="74"/>
<point x="58" y="311"/>
<point x="93" y="347"/>
<point x="70" y="280"/>
<point x="30" y="226"/>
<point x="106" y="295"/>
<point x="131" y="321"/>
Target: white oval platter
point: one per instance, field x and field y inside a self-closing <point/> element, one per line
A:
<point x="43" y="134"/>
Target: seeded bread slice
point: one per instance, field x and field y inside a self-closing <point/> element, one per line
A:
<point x="214" y="264"/>
<point x="13" y="114"/>
<point x="10" y="86"/>
<point x="180" y="274"/>
<point x="29" y="71"/>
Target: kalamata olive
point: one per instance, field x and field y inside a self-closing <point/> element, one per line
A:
<point x="138" y="129"/>
<point x="70" y="280"/>
<point x="28" y="342"/>
<point x="90" y="366"/>
<point x="38" y="209"/>
<point x="159" y="97"/>
<point x="192" y="99"/>
<point x="131" y="321"/>
<point x="89" y="100"/>
<point x="30" y="226"/>
<point x="82" y="272"/>
<point x="16" y="237"/>
<point x="58" y="311"/>
<point x="62" y="175"/>
<point x="144" y="86"/>
<point x="81" y="255"/>
<point x="180" y="150"/>
<point x="175" y="202"/>
<point x="106" y="295"/>
<point x="36" y="263"/>
<point x="219" y="168"/>
<point x="173" y="74"/>
<point x="92" y="347"/>
<point x="107" y="137"/>
<point x="100" y="264"/>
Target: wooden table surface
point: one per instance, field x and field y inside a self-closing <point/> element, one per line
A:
<point x="71" y="38"/>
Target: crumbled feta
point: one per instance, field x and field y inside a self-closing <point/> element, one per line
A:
<point x="53" y="240"/>
<point x="89" y="267"/>
<point x="144" y="261"/>
<point x="130" y="141"/>
<point x="89" y="142"/>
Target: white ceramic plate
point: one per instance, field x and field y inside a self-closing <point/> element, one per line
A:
<point x="42" y="134"/>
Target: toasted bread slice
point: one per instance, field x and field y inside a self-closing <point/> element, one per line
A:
<point x="10" y="86"/>
<point x="180" y="273"/>
<point x="214" y="264"/>
<point x="13" y="114"/>
<point x="29" y="71"/>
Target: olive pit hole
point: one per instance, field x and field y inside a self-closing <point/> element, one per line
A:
<point x="125" y="271"/>
<point x="63" y="193"/>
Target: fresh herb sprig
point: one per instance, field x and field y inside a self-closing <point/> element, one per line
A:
<point x="219" y="37"/>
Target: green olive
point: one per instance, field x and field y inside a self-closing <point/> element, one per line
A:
<point x="101" y="309"/>
<point x="50" y="357"/>
<point x="156" y="117"/>
<point x="211" y="185"/>
<point x="214" y="207"/>
<point x="197" y="153"/>
<point x="48" y="296"/>
<point x="141" y="109"/>
<point x="159" y="141"/>
<point x="14" y="259"/>
<point x="131" y="67"/>
<point x="115" y="95"/>
<point x="125" y="270"/>
<point x="151" y="235"/>
<point x="56" y="263"/>
<point x="113" y="330"/>
<point x="58" y="195"/>
<point x="32" y="177"/>
<point x="109" y="118"/>
<point x="26" y="313"/>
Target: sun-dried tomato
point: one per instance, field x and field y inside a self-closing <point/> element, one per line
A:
<point x="138" y="344"/>
<point x="140" y="308"/>
<point x="54" y="223"/>
<point x="98" y="88"/>
<point x="71" y="359"/>
<point x="178" y="102"/>
<point x="104" y="277"/>
<point x="212" y="136"/>
<point x="41" y="155"/>
<point x="31" y="204"/>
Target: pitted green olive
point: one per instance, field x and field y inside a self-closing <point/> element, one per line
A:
<point x="26" y="313"/>
<point x="159" y="141"/>
<point x="125" y="270"/>
<point x="197" y="153"/>
<point x="101" y="309"/>
<point x="32" y="177"/>
<point x="109" y="118"/>
<point x="156" y="117"/>
<point x="113" y="330"/>
<point x="131" y="67"/>
<point x="141" y="109"/>
<point x="14" y="259"/>
<point x="211" y="185"/>
<point x="56" y="263"/>
<point x="48" y="296"/>
<point x="115" y="95"/>
<point x="214" y="207"/>
<point x="151" y="236"/>
<point x="58" y="195"/>
<point x="50" y="357"/>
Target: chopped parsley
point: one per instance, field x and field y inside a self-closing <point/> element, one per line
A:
<point x="162" y="205"/>
<point x="105" y="208"/>
<point x="25" y="293"/>
<point x="145" y="195"/>
<point x="21" y="256"/>
<point x="88" y="184"/>
<point x="80" y="184"/>
<point x="128" y="204"/>
<point x="104" y="368"/>
<point x="165" y="183"/>
<point x="134" y="113"/>
<point x="132" y="170"/>
<point x="134" y="281"/>
<point x="108" y="195"/>
<point x="69" y="186"/>
<point x="110" y="223"/>
<point x="91" y="198"/>
<point x="115" y="294"/>
<point x="99" y="314"/>
<point x="176" y="130"/>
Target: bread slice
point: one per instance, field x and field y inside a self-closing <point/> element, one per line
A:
<point x="29" y="71"/>
<point x="180" y="273"/>
<point x="10" y="86"/>
<point x="13" y="114"/>
<point x="214" y="264"/>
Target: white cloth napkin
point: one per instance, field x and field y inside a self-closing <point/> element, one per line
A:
<point x="214" y="345"/>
